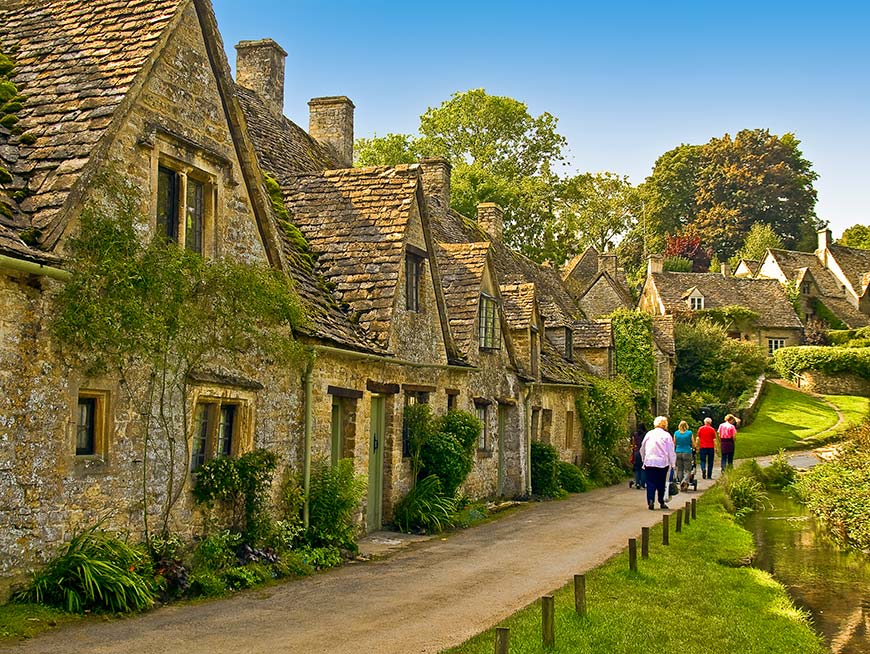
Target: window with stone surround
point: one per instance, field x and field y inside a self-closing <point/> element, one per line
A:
<point x="773" y="344"/>
<point x="184" y="206"/>
<point x="412" y="396"/>
<point x="569" y="429"/>
<point x="343" y="422"/>
<point x="481" y="409"/>
<point x="413" y="274"/>
<point x="489" y="329"/>
<point x="222" y="426"/>
<point x="91" y="427"/>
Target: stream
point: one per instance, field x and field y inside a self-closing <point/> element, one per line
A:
<point x="833" y="585"/>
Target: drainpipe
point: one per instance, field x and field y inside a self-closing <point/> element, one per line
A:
<point x="527" y="406"/>
<point x="306" y="447"/>
<point x="34" y="268"/>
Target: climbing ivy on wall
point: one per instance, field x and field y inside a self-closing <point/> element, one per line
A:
<point x="151" y="313"/>
<point x="605" y="409"/>
<point x="635" y="359"/>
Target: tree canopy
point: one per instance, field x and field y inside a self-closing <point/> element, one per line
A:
<point x="856" y="236"/>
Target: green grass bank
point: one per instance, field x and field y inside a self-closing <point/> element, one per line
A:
<point x="694" y="597"/>
<point x="789" y="419"/>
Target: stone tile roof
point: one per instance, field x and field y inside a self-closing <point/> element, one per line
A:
<point x="663" y="334"/>
<point x="555" y="369"/>
<point x="75" y="63"/>
<point x="355" y="219"/>
<point x="462" y="266"/>
<point x="593" y="334"/>
<point x="283" y="148"/>
<point x="751" y="264"/>
<point x="854" y="262"/>
<point x="791" y="261"/>
<point x="846" y="311"/>
<point x="582" y="269"/>
<point x="766" y="297"/>
<point x="519" y="304"/>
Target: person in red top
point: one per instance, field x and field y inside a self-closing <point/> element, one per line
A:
<point x="727" y="434"/>
<point x="707" y="447"/>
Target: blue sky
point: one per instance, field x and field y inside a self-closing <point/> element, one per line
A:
<point x="627" y="80"/>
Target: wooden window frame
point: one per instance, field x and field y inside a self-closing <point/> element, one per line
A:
<point x="773" y="344"/>
<point x="489" y="327"/>
<point x="193" y="203"/>
<point x="696" y="302"/>
<point x="481" y="410"/>
<point x="207" y="441"/>
<point x="100" y="423"/>
<point x="413" y="279"/>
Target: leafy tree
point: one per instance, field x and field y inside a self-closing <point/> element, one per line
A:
<point x="689" y="247"/>
<point x="596" y="208"/>
<point x="499" y="153"/>
<point x="759" y="240"/>
<point x="725" y="186"/>
<point x="856" y="236"/>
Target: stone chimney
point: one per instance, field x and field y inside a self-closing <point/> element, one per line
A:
<point x="825" y="239"/>
<point x="491" y="218"/>
<point x="330" y="121"/>
<point x="260" y="68"/>
<point x="436" y="185"/>
<point x="607" y="263"/>
<point x="655" y="264"/>
<point x="725" y="268"/>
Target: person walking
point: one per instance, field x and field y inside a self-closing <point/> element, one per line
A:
<point x="636" y="462"/>
<point x="658" y="456"/>
<point x="727" y="433"/>
<point x="707" y="447"/>
<point x="685" y="443"/>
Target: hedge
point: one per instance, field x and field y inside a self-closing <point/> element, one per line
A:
<point x="791" y="361"/>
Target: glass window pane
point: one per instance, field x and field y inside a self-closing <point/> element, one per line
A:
<point x="167" y="203"/>
<point x="195" y="213"/>
<point x="85" y="425"/>
<point x="200" y="436"/>
<point x="225" y="430"/>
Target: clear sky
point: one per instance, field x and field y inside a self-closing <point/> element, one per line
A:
<point x="627" y="80"/>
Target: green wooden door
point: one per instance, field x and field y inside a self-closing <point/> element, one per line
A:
<point x="374" y="514"/>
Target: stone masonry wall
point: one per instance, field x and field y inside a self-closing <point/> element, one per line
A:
<point x="841" y="384"/>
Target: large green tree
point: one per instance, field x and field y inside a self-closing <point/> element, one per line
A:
<point x="499" y="153"/>
<point x="722" y="188"/>
<point x="596" y="209"/>
<point x="761" y="238"/>
<point x="856" y="236"/>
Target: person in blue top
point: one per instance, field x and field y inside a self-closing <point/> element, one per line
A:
<point x="684" y="442"/>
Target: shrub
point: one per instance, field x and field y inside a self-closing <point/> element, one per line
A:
<point x="444" y="456"/>
<point x="791" y="361"/>
<point x="95" y="572"/>
<point x="293" y="564"/>
<point x="320" y="557"/>
<point x="245" y="576"/>
<point x="418" y="425"/>
<point x="242" y="485"/>
<point x="464" y="426"/>
<point x="207" y="583"/>
<point x="425" y="508"/>
<point x="545" y="470"/>
<point x="744" y="489"/>
<point x="217" y="551"/>
<point x="335" y="493"/>
<point x="689" y="406"/>
<point x="779" y="473"/>
<point x="572" y="478"/>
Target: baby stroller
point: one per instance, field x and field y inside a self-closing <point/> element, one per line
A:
<point x="693" y="478"/>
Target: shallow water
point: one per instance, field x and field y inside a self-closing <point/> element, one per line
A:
<point x="832" y="584"/>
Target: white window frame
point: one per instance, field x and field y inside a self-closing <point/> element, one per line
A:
<point x="696" y="302"/>
<point x="774" y="344"/>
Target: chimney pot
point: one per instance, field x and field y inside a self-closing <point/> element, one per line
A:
<point x="436" y="185"/>
<point x="260" y="68"/>
<point x="330" y="121"/>
<point x="725" y="268"/>
<point x="655" y="264"/>
<point x="491" y="218"/>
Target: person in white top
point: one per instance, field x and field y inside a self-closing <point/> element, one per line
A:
<point x="658" y="455"/>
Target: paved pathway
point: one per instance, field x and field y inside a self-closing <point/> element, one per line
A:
<point x="429" y="596"/>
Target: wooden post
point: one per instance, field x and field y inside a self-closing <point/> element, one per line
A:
<point x="644" y="542"/>
<point x="694" y="510"/>
<point x="679" y="521"/>
<point x="502" y="640"/>
<point x="580" y="594"/>
<point x="688" y="512"/>
<point x="665" y="520"/>
<point x="632" y="554"/>
<point x="548" y="623"/>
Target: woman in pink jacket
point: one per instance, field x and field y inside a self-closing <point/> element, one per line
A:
<point x="658" y="455"/>
<point x="726" y="433"/>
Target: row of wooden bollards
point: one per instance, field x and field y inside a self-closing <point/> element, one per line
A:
<point x="548" y="605"/>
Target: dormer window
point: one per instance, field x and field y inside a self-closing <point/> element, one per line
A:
<point x="489" y="329"/>
<point x="696" y="301"/>
<point x="806" y="288"/>
<point x="413" y="274"/>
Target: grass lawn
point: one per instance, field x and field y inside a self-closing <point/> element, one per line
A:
<point x="787" y="416"/>
<point x="691" y="597"/>
<point x="19" y="621"/>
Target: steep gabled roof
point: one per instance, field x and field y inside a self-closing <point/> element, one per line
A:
<point x="846" y="311"/>
<point x="283" y="148"/>
<point x="555" y="369"/>
<point x="462" y="266"/>
<point x="791" y="261"/>
<point x="663" y="334"/>
<point x="751" y="265"/>
<point x="582" y="268"/>
<point x="593" y="334"/>
<point x="765" y="297"/>
<point x="519" y="304"/>
<point x="355" y="219"/>
<point x="854" y="262"/>
<point x="75" y="63"/>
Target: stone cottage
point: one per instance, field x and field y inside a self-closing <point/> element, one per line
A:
<point x="678" y="294"/>
<point x="406" y="300"/>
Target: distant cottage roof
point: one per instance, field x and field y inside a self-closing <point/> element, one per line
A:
<point x="855" y="264"/>
<point x="75" y="63"/>
<point x="356" y="219"/>
<point x="765" y="297"/>
<point x="791" y="261"/>
<point x="462" y="266"/>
